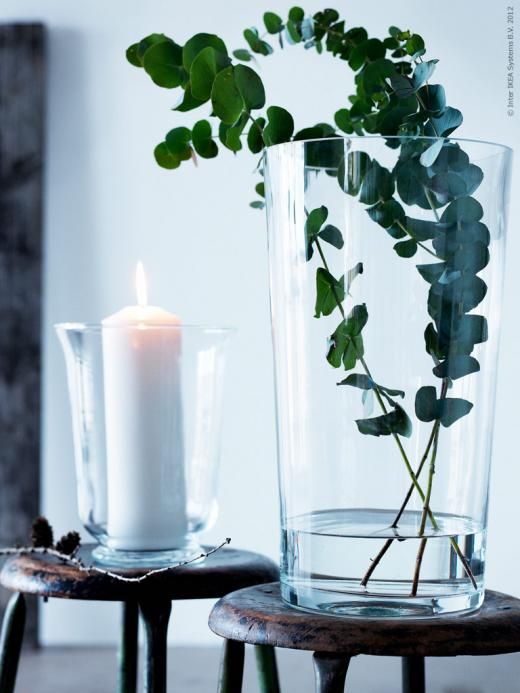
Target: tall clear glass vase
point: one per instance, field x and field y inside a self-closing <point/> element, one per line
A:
<point x="386" y="267"/>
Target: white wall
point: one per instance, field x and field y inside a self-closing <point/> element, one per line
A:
<point x="108" y="204"/>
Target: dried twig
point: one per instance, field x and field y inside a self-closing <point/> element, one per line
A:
<point x="73" y="560"/>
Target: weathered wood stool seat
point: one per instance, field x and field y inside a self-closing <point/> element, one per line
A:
<point x="220" y="573"/>
<point x="257" y="615"/>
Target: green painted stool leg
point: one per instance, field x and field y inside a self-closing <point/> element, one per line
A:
<point x="231" y="667"/>
<point x="267" y="669"/>
<point x="330" y="672"/>
<point x="128" y="649"/>
<point x="413" y="675"/>
<point x="156" y="614"/>
<point x="11" y="642"/>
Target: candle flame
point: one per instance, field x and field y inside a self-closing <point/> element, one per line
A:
<point x="140" y="285"/>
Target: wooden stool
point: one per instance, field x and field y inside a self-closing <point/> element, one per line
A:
<point x="222" y="572"/>
<point x="257" y="615"/>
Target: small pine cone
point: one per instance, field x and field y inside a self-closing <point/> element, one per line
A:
<point x="69" y="543"/>
<point x="41" y="534"/>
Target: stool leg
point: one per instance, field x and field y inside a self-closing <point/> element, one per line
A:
<point x="156" y="614"/>
<point x="330" y="672"/>
<point x="413" y="675"/>
<point x="11" y="641"/>
<point x="267" y="669"/>
<point x="128" y="649"/>
<point x="231" y="667"/>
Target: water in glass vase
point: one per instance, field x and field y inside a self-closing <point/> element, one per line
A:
<point x="326" y="556"/>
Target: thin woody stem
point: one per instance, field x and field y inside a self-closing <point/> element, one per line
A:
<point x="388" y="543"/>
<point x="71" y="559"/>
<point x="413" y="477"/>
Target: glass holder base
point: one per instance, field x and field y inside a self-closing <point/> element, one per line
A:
<point x="117" y="558"/>
<point x="333" y="603"/>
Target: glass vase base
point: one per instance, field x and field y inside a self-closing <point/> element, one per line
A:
<point x="105" y="556"/>
<point x="336" y="600"/>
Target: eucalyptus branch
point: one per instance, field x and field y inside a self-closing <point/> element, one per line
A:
<point x="393" y="97"/>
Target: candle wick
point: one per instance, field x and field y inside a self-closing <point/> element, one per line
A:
<point x="140" y="285"/>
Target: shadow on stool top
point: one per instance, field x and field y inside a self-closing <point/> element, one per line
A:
<point x="224" y="571"/>
<point x="257" y="615"/>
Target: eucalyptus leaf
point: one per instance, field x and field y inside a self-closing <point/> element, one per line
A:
<point x="203" y="71"/>
<point x="162" y="61"/>
<point x="456" y="367"/>
<point x="452" y="409"/>
<point x="257" y="44"/>
<point x="198" y="43"/>
<point x="273" y="23"/>
<point x="445" y="124"/>
<point x="243" y="54"/>
<point x="280" y="125"/>
<point x="377" y="184"/>
<point x="464" y="209"/>
<point x="332" y="235"/>
<point x="426" y="408"/>
<point x="203" y="142"/>
<point x="395" y="422"/>
<point x="329" y="292"/>
<point x="352" y="274"/>
<point x="250" y="87"/>
<point x="406" y="248"/>
<point x="430" y="155"/>
<point x="165" y="158"/>
<point x="226" y="99"/>
<point x="255" y="140"/>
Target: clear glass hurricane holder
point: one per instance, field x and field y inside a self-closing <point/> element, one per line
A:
<point x="146" y="403"/>
<point x="386" y="267"/>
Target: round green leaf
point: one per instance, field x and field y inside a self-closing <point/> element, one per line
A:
<point x="464" y="209"/>
<point x="132" y="55"/>
<point x="280" y="125"/>
<point x="243" y="54"/>
<point x="197" y="43"/>
<point x="296" y="14"/>
<point x="203" y="71"/>
<point x="255" y="140"/>
<point x="151" y="40"/>
<point x="202" y="139"/>
<point x="273" y="23"/>
<point x="165" y="158"/>
<point x="256" y="44"/>
<point x="162" y="62"/>
<point x="426" y="408"/>
<point x="406" y="248"/>
<point x="188" y="102"/>
<point x="226" y="99"/>
<point x="415" y="46"/>
<point x="250" y="87"/>
<point x="178" y="141"/>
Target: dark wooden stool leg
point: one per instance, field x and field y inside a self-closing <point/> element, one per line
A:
<point x="128" y="649"/>
<point x="231" y="667"/>
<point x="413" y="675"/>
<point x="267" y="669"/>
<point x="11" y="641"/>
<point x="330" y="672"/>
<point x="156" y="614"/>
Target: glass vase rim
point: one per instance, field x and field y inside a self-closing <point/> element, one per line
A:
<point x="98" y="327"/>
<point x="408" y="138"/>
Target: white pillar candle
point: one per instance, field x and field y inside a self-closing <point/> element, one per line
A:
<point x="143" y="412"/>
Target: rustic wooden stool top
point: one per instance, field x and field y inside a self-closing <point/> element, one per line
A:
<point x="222" y="572"/>
<point x="218" y="574"/>
<point x="257" y="615"/>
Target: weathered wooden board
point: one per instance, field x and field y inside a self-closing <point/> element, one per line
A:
<point x="21" y="162"/>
